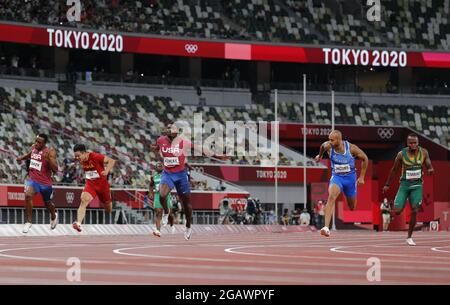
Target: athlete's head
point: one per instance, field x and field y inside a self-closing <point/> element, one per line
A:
<point x="80" y="152"/>
<point x="335" y="138"/>
<point x="171" y="130"/>
<point x="159" y="167"/>
<point x="40" y="141"/>
<point x="412" y="142"/>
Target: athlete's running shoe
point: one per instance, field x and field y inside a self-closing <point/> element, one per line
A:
<point x="325" y="232"/>
<point x="187" y="233"/>
<point x="76" y="226"/>
<point x="410" y="242"/>
<point x="54" y="222"/>
<point x="26" y="227"/>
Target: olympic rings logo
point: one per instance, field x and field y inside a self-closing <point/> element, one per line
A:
<point x="198" y="169"/>
<point x="191" y="48"/>
<point x="70" y="196"/>
<point x="385" y="133"/>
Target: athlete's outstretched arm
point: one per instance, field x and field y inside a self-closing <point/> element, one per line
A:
<point x="155" y="149"/>
<point x="326" y="146"/>
<point x="358" y="153"/>
<point x="428" y="162"/>
<point x="24" y="157"/>
<point x="109" y="165"/>
<point x="397" y="165"/>
<point x="51" y="158"/>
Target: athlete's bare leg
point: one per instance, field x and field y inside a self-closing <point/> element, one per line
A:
<point x="171" y="218"/>
<point x="187" y="208"/>
<point x="86" y="198"/>
<point x="163" y="193"/>
<point x="52" y="209"/>
<point x="29" y="194"/>
<point x="333" y="193"/>
<point x="412" y="222"/>
<point x="158" y="218"/>
<point x="351" y="202"/>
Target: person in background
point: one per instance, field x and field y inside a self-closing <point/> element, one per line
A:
<point x="305" y="218"/>
<point x="385" y="209"/>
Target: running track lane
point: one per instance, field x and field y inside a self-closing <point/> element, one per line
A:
<point x="240" y="259"/>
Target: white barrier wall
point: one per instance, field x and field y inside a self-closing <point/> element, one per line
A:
<point x="91" y="230"/>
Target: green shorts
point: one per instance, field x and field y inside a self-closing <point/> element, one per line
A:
<point x="157" y="202"/>
<point x="413" y="191"/>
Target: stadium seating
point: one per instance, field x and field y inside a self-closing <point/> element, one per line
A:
<point x="121" y="125"/>
<point x="411" y="24"/>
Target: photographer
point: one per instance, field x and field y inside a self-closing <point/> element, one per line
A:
<point x="225" y="211"/>
<point x="250" y="210"/>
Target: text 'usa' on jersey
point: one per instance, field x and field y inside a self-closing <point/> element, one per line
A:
<point x="173" y="153"/>
<point x="39" y="170"/>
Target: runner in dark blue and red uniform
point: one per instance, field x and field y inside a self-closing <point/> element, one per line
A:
<point x="172" y="150"/>
<point x="42" y="163"/>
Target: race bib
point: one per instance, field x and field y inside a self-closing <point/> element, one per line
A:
<point x="341" y="168"/>
<point x="171" y="161"/>
<point x="413" y="174"/>
<point x="90" y="175"/>
<point x="37" y="165"/>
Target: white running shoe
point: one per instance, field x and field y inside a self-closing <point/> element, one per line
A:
<point x="157" y="233"/>
<point x="165" y="219"/>
<point x="172" y="229"/>
<point x="325" y="232"/>
<point x="410" y="242"/>
<point x="188" y="233"/>
<point x="54" y="222"/>
<point x="26" y="227"/>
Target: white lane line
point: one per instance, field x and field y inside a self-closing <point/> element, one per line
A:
<point x="33" y="248"/>
<point x="340" y="249"/>
<point x="438" y="249"/>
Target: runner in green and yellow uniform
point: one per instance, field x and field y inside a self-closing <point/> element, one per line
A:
<point x="154" y="188"/>
<point x="410" y="159"/>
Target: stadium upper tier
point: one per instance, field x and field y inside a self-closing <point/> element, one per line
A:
<point x="411" y="24"/>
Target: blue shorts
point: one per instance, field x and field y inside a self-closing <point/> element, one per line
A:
<point x="347" y="184"/>
<point x="179" y="180"/>
<point x="45" y="190"/>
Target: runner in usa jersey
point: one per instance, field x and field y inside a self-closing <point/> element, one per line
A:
<point x="95" y="174"/>
<point x="43" y="163"/>
<point x="172" y="150"/>
<point x="343" y="179"/>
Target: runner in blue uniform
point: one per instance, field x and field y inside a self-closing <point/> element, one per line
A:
<point x="342" y="155"/>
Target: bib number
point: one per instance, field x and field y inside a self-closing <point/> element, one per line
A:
<point x="37" y="165"/>
<point x="413" y="174"/>
<point x="341" y="168"/>
<point x="171" y="161"/>
<point x="90" y="175"/>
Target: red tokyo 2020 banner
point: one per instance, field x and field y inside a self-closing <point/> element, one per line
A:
<point x="132" y="43"/>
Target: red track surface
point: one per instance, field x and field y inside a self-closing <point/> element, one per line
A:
<point x="261" y="258"/>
